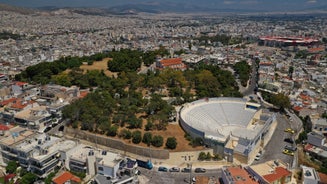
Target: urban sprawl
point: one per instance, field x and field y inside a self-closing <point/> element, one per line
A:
<point x="274" y="132"/>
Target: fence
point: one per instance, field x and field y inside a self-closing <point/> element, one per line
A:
<point x="117" y="144"/>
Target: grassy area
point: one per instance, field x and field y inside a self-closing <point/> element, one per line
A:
<point x="2" y="180"/>
<point x="305" y="159"/>
<point x="99" y="65"/>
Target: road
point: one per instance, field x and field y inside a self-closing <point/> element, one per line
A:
<point x="253" y="80"/>
<point x="156" y="177"/>
<point x="274" y="148"/>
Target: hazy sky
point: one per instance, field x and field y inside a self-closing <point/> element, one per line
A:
<point x="268" y="5"/>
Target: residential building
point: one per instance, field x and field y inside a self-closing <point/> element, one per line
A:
<point x="41" y="153"/>
<point x="65" y="178"/>
<point x="271" y="172"/>
<point x="309" y="175"/>
<point x="93" y="161"/>
<point x="316" y="139"/>
<point x="237" y="175"/>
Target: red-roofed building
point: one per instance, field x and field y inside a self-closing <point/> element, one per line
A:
<point x="83" y="94"/>
<point x="237" y="175"/>
<point x="21" y="84"/>
<point x="297" y="108"/>
<point x="9" y="177"/>
<point x="323" y="177"/>
<point x="316" y="49"/>
<point x="173" y="63"/>
<point x="6" y="102"/>
<point x="66" y="178"/>
<point x="279" y="175"/>
<point x="3" y="129"/>
<point x="273" y="171"/>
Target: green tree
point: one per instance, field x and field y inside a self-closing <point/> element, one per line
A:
<point x="157" y="141"/>
<point x="171" y="143"/>
<point x="280" y="100"/>
<point x="243" y="70"/>
<point x="126" y="134"/>
<point x="28" y="178"/>
<point x="149" y="126"/>
<point x="11" y="167"/>
<point x="112" y="131"/>
<point x="147" y="138"/>
<point x="48" y="179"/>
<point x="136" y="137"/>
<point x="202" y="156"/>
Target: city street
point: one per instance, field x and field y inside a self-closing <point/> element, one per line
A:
<point x="155" y="177"/>
<point x="274" y="148"/>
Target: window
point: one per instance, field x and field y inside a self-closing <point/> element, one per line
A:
<point x="100" y="168"/>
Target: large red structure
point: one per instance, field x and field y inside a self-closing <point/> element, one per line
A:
<point x="286" y="41"/>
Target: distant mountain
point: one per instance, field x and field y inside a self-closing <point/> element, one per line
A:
<point x="120" y="7"/>
<point x="5" y="7"/>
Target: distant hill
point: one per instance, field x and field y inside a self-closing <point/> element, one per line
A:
<point x="5" y="7"/>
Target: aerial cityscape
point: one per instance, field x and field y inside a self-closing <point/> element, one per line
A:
<point x="149" y="92"/>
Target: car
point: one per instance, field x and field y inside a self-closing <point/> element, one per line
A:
<point x="290" y="148"/>
<point x="289" y="130"/>
<point x="186" y="169"/>
<point x="257" y="157"/>
<point x="163" y="169"/>
<point x="289" y="140"/>
<point x="288" y="152"/>
<point x="200" y="170"/>
<point x="174" y="169"/>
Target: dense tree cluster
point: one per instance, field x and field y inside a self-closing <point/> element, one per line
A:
<point x="131" y="60"/>
<point x="243" y="70"/>
<point x="116" y="105"/>
<point x="42" y="72"/>
<point x="279" y="100"/>
<point x="7" y="35"/>
<point x="125" y="60"/>
<point x="222" y="38"/>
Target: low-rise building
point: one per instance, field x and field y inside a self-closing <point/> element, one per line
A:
<point x="274" y="171"/>
<point x="93" y="161"/>
<point x="233" y="175"/>
<point x="309" y="175"/>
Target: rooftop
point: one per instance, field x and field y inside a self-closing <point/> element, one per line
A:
<point x="240" y="176"/>
<point x="81" y="152"/>
<point x="43" y="145"/>
<point x="15" y="135"/>
<point x="65" y="177"/>
<point x="269" y="167"/>
<point x="310" y="173"/>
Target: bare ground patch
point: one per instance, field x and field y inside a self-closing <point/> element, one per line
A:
<point x="99" y="65"/>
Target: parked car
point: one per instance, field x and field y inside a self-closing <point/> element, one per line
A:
<point x="288" y="152"/>
<point x="289" y="130"/>
<point x="186" y="169"/>
<point x="200" y="170"/>
<point x="163" y="169"/>
<point x="257" y="157"/>
<point x="174" y="169"/>
<point x="291" y="148"/>
<point x="289" y="140"/>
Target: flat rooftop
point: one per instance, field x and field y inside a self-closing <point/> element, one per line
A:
<point x="15" y="135"/>
<point x="240" y="176"/>
<point x="81" y="152"/>
<point x="310" y="173"/>
<point x="32" y="114"/>
<point x="267" y="167"/>
<point x="42" y="145"/>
